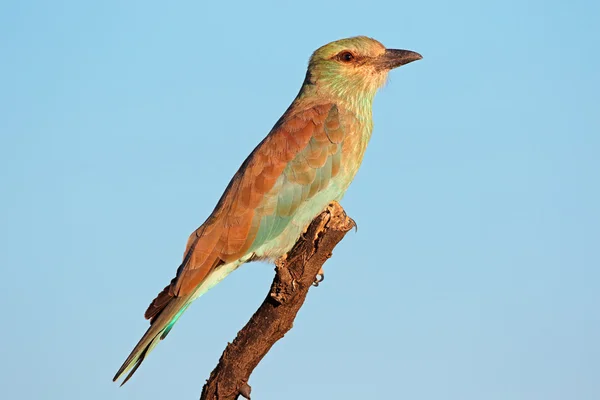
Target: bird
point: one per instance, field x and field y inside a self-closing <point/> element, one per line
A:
<point x="307" y="160"/>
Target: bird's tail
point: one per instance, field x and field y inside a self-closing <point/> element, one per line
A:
<point x="159" y="329"/>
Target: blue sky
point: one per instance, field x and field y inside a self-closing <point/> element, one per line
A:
<point x="474" y="272"/>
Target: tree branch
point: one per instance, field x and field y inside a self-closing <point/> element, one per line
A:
<point x="294" y="274"/>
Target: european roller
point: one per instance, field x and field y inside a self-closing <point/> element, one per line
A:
<point x="308" y="159"/>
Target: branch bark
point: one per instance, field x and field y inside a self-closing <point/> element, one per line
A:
<point x="294" y="274"/>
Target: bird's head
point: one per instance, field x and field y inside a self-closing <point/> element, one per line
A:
<point x="357" y="65"/>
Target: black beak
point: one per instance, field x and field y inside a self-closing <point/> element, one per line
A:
<point x="394" y="58"/>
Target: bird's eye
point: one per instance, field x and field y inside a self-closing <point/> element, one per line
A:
<point x="346" y="56"/>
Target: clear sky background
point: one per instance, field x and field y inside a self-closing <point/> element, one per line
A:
<point x="475" y="270"/>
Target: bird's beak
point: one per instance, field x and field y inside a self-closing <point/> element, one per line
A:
<point x="393" y="58"/>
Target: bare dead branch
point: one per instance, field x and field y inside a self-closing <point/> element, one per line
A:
<point x="294" y="275"/>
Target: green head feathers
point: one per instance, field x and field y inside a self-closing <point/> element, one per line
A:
<point x="356" y="66"/>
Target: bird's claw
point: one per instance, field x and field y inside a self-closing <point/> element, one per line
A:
<point x="319" y="278"/>
<point x="353" y="223"/>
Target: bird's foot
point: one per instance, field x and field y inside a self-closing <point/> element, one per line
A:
<point x="353" y="223"/>
<point x="319" y="278"/>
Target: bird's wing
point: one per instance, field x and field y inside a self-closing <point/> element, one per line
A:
<point x="296" y="160"/>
